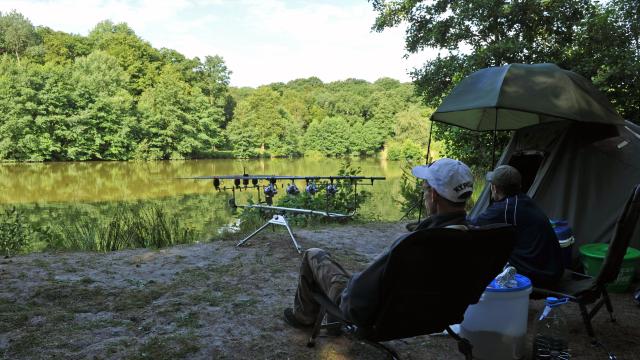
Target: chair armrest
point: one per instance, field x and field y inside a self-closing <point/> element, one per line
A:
<point x="329" y="305"/>
<point x="580" y="275"/>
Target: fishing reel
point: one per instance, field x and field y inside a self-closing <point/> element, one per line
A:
<point x="331" y="189"/>
<point x="311" y="189"/>
<point x="292" y="189"/>
<point x="270" y="190"/>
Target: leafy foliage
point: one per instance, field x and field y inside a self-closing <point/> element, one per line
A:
<point x="108" y="226"/>
<point x="405" y="150"/>
<point x="410" y="200"/>
<point x="112" y="96"/>
<point x="15" y="233"/>
<point x="107" y="96"/>
<point x="598" y="40"/>
<point x="17" y="34"/>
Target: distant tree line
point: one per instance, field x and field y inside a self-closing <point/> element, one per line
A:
<point x="112" y="96"/>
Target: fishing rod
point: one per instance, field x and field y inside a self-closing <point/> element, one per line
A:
<point x="314" y="184"/>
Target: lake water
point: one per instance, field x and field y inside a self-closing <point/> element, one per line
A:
<point x="92" y="182"/>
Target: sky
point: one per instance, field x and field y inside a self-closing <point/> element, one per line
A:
<point x="261" y="41"/>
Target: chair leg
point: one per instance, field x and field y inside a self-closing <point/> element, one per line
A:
<point x="316" y="327"/>
<point x="587" y="321"/>
<point x="607" y="303"/>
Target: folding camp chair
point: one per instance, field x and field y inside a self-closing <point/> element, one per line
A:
<point x="431" y="277"/>
<point x="585" y="290"/>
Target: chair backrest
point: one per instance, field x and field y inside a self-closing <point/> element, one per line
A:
<point x="622" y="234"/>
<point x="433" y="275"/>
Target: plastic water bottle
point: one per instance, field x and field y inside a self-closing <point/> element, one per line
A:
<point x="551" y="339"/>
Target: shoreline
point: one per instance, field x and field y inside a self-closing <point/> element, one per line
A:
<point x="212" y="300"/>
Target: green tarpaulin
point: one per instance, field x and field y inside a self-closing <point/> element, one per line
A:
<point x="515" y="96"/>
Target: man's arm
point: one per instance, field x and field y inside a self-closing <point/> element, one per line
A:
<point x="492" y="215"/>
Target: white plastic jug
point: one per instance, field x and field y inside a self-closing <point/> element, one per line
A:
<point x="497" y="325"/>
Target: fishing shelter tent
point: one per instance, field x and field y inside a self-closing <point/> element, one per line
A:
<point x="579" y="159"/>
<point x="578" y="171"/>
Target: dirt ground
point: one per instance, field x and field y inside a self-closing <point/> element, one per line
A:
<point x="216" y="301"/>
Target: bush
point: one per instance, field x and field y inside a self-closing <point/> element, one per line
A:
<point x="411" y="192"/>
<point x="15" y="232"/>
<point x="407" y="150"/>
<point x="313" y="154"/>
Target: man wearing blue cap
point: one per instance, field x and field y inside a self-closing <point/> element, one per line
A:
<point x="447" y="186"/>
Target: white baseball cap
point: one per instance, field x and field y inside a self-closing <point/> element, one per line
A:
<point x="452" y="179"/>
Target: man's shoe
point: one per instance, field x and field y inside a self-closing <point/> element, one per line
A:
<point x="291" y="319"/>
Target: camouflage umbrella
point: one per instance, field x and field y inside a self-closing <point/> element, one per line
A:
<point x="513" y="96"/>
<point x="517" y="95"/>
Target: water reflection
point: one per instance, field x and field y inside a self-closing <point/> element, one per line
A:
<point x="80" y="182"/>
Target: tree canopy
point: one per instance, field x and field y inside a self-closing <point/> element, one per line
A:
<point x="112" y="96"/>
<point x="599" y="40"/>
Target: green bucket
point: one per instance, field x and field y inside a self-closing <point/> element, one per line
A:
<point x="593" y="256"/>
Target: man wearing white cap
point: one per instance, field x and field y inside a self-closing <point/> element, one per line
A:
<point x="447" y="186"/>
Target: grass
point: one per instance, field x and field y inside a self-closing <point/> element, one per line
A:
<point x="189" y="320"/>
<point x="56" y="304"/>
<point x="169" y="347"/>
<point x="110" y="226"/>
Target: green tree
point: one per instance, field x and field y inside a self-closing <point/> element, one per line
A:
<point x="215" y="79"/>
<point x="18" y="109"/>
<point x="60" y="47"/>
<point x="475" y="34"/>
<point x="331" y="136"/>
<point x="106" y="112"/>
<point x="37" y="104"/>
<point x="187" y="67"/>
<point x="413" y="124"/>
<point x="177" y="121"/>
<point x="385" y="104"/>
<point x="260" y="121"/>
<point x="608" y="52"/>
<point x="136" y="56"/>
<point x="16" y="34"/>
<point x="349" y="97"/>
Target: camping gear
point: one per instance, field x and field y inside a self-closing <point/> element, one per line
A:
<point x="565" y="239"/>
<point x="593" y="255"/>
<point x="576" y="171"/>
<point x="417" y="297"/>
<point x="577" y="157"/>
<point x="586" y="290"/>
<point x="514" y="96"/>
<point x="551" y="339"/>
<point x="497" y="324"/>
